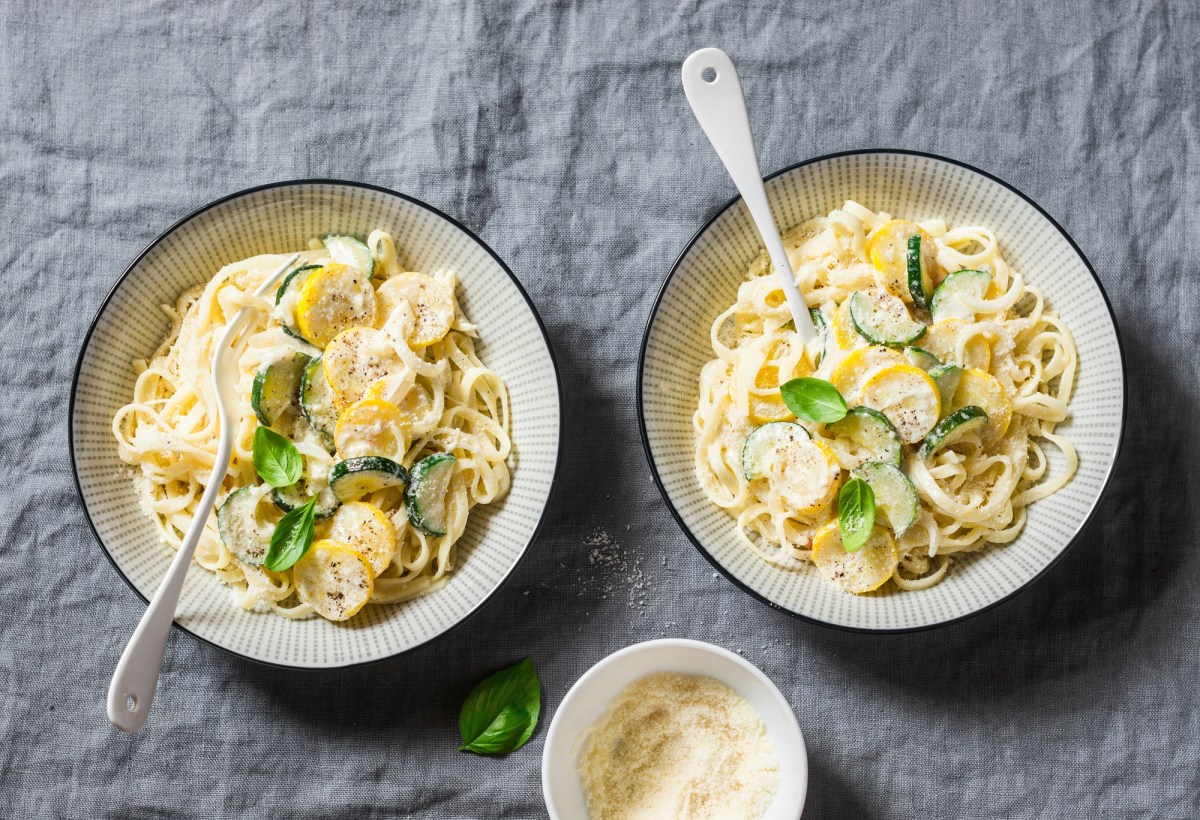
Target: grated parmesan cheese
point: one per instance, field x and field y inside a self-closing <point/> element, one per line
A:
<point x="680" y="746"/>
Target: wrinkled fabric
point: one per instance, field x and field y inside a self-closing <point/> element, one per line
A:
<point x="561" y="135"/>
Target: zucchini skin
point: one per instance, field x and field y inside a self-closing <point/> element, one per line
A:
<point x="244" y="548"/>
<point x="944" y="428"/>
<point x="916" y="276"/>
<point x="415" y="496"/>
<point x="752" y="450"/>
<point x="353" y="246"/>
<point x="276" y="387"/>
<point x="922" y="358"/>
<point x="287" y="281"/>
<point x="295" y="334"/>
<point x="290" y="497"/>
<point x="894" y="493"/>
<point x="295" y="279"/>
<point x="344" y="474"/>
<point x="308" y="399"/>
<point x="894" y="452"/>
<point x="950" y="286"/>
<point x="858" y="304"/>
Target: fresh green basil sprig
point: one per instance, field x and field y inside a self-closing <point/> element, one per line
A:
<point x="276" y="459"/>
<point x="813" y="400"/>
<point x="856" y="513"/>
<point x="292" y="537"/>
<point x="500" y="714"/>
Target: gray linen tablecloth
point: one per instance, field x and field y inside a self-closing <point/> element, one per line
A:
<point x="560" y="134"/>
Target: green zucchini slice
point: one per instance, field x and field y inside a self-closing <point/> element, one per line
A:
<point x="289" y="290"/>
<point x="946" y="378"/>
<point x="882" y="319"/>
<point x="425" y="497"/>
<point x="895" y="495"/>
<point x="276" y="387"/>
<point x="876" y="438"/>
<point x="920" y="277"/>
<point x="298" y="494"/>
<point x="953" y="429"/>
<point x="316" y="400"/>
<point x="240" y="530"/>
<point x="948" y="301"/>
<point x="355" y="477"/>
<point x="922" y="358"/>
<point x="822" y="326"/>
<point x="294" y="281"/>
<point x="351" y="251"/>
<point x="764" y="440"/>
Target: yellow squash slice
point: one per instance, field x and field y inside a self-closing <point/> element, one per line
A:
<point x="371" y="427"/>
<point x="431" y="303"/>
<point x="805" y="473"/>
<point x="412" y="400"/>
<point x="392" y="387"/>
<point x="987" y="393"/>
<point x="333" y="579"/>
<point x="942" y="341"/>
<point x="356" y="359"/>
<point x="844" y="333"/>
<point x="766" y="403"/>
<point x="364" y="527"/>
<point x="335" y="298"/>
<point x="764" y="409"/>
<point x="415" y="408"/>
<point x="850" y="376"/>
<point x="863" y="570"/>
<point x="887" y="247"/>
<point x="908" y="397"/>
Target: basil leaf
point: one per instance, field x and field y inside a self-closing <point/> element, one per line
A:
<point x="813" y="400"/>
<point x="292" y="537"/>
<point x="502" y="734"/>
<point x="276" y="459"/>
<point x="856" y="513"/>
<point x="491" y="719"/>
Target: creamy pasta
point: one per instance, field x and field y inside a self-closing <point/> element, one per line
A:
<point x="955" y="372"/>
<point x="370" y="371"/>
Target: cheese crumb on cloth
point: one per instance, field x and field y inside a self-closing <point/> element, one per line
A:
<point x="679" y="746"/>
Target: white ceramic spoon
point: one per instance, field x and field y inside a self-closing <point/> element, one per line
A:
<point x="132" y="689"/>
<point x="715" y="93"/>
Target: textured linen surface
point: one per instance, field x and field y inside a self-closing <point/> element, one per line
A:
<point x="560" y="134"/>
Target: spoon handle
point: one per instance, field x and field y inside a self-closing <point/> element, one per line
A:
<point x="132" y="689"/>
<point x="714" y="91"/>
<point x="133" y="683"/>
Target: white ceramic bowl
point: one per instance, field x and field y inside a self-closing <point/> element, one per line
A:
<point x="592" y="693"/>
<point x="704" y="282"/>
<point x="279" y="218"/>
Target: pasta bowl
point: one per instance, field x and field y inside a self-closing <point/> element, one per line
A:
<point x="704" y="282"/>
<point x="278" y="218"/>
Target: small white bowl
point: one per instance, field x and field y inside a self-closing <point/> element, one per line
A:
<point x="591" y="695"/>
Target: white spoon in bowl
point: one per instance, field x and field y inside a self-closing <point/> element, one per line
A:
<point x="714" y="91"/>
<point x="132" y="689"/>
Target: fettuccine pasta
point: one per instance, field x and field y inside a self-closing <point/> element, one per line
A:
<point x="955" y="371"/>
<point x="371" y="372"/>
